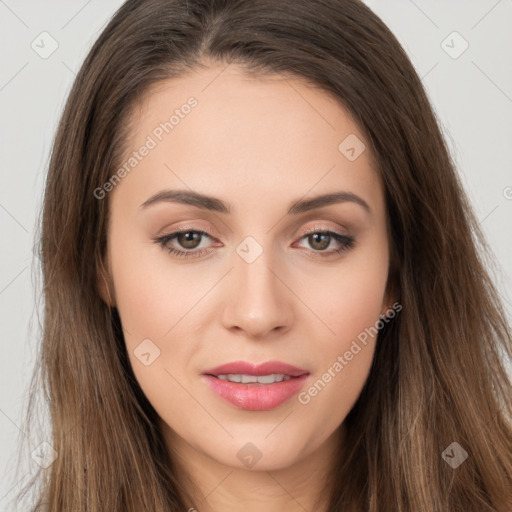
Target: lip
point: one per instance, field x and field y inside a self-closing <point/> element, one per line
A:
<point x="255" y="396"/>
<point x="246" y="368"/>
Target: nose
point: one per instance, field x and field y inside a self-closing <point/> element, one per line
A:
<point x="259" y="302"/>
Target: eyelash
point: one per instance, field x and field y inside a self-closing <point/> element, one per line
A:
<point x="347" y="242"/>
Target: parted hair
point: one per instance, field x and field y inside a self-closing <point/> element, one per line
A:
<point x="438" y="374"/>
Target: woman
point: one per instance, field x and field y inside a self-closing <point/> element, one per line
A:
<point x="264" y="285"/>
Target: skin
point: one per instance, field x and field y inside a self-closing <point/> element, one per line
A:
<point x="259" y="145"/>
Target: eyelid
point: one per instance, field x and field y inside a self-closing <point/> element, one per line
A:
<point x="184" y="229"/>
<point x="318" y="228"/>
<point x="346" y="240"/>
<point x="190" y="226"/>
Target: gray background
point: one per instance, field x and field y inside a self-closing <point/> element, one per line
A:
<point x="471" y="92"/>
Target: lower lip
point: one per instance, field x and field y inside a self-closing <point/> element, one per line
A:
<point x="256" y="397"/>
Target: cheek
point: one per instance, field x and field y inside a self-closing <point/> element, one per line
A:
<point x="157" y="305"/>
<point x="350" y="307"/>
<point x="343" y="362"/>
<point x="151" y="298"/>
<point x="351" y="298"/>
<point x="151" y="302"/>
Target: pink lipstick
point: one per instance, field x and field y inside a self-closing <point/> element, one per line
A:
<point x="255" y="387"/>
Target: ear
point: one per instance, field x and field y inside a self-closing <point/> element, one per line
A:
<point x="105" y="285"/>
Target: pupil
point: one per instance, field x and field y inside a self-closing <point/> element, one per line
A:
<point x="189" y="242"/>
<point x="317" y="239"/>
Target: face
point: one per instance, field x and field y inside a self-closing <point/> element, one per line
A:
<point x="261" y="272"/>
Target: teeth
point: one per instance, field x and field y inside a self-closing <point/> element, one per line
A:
<point x="252" y="379"/>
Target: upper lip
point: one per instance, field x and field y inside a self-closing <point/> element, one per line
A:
<point x="247" y="368"/>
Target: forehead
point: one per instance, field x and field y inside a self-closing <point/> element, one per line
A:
<point x="257" y="135"/>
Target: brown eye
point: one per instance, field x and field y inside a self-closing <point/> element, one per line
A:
<point x="319" y="241"/>
<point x="184" y="243"/>
<point x="189" y="239"/>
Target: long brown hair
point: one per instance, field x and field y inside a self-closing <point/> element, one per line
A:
<point x="438" y="375"/>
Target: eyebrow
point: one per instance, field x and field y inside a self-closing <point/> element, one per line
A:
<point x="206" y="202"/>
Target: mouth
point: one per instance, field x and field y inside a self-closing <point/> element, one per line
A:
<point x="254" y="379"/>
<point x="247" y="369"/>
<point x="255" y="387"/>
